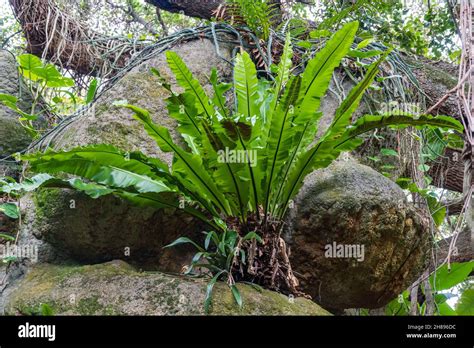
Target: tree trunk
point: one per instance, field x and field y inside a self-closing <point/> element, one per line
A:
<point x="202" y="9"/>
<point x="448" y="171"/>
<point x="58" y="37"/>
<point x="463" y="252"/>
<point x="199" y="9"/>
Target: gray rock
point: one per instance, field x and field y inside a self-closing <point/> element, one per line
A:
<point x="13" y="136"/>
<point x="345" y="203"/>
<point x="115" y="288"/>
<point x="351" y="204"/>
<point x="108" y="228"/>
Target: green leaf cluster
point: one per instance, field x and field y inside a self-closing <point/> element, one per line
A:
<point x="242" y="163"/>
<point x="443" y="279"/>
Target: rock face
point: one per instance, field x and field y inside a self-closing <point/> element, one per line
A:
<point x="344" y="204"/>
<point x="351" y="207"/>
<point x="115" y="288"/>
<point x="106" y="228"/>
<point x="13" y="136"/>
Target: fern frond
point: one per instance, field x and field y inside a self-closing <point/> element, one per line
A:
<point x="258" y="15"/>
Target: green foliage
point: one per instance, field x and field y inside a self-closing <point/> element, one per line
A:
<point x="91" y="91"/>
<point x="435" y="141"/>
<point x="270" y="134"/>
<point x="465" y="305"/>
<point x="398" y="306"/>
<point x="338" y="14"/>
<point x="443" y="279"/>
<point x="42" y="309"/>
<point x="46" y="310"/>
<point x="446" y="277"/>
<point x="257" y="14"/>
<point x="219" y="254"/>
<point x="436" y="207"/>
<point x="50" y="91"/>
<point x="9" y="30"/>
<point x="133" y="19"/>
<point x="389" y="152"/>
<point x="33" y="69"/>
<point x="423" y="28"/>
<point x="10" y="209"/>
<point x="25" y="119"/>
<point x="7" y="237"/>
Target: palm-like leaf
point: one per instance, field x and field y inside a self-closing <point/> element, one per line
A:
<point x="283" y="73"/>
<point x="280" y="138"/>
<point x="94" y="190"/>
<point x="246" y="89"/>
<point x="191" y="85"/>
<point x="321" y="152"/>
<point x="219" y="90"/>
<point x="183" y="109"/>
<point x="368" y="123"/>
<point x="186" y="167"/>
<point x="106" y="165"/>
<point x="278" y="121"/>
<point x="318" y="73"/>
<point x="314" y="84"/>
<point x="344" y="112"/>
<point x="328" y="148"/>
<point x="246" y="86"/>
<point x="205" y="136"/>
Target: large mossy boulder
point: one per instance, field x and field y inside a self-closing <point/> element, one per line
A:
<point x="356" y="242"/>
<point x="351" y="205"/>
<point x="116" y="288"/>
<point x="109" y="228"/>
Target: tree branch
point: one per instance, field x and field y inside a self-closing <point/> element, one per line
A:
<point x="200" y="9"/>
<point x="130" y="11"/>
<point x="164" y="27"/>
<point x="463" y="250"/>
<point x="58" y="37"/>
<point x="453" y="207"/>
<point x="448" y="171"/>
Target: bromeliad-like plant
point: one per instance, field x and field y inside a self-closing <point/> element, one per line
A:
<point x="241" y="166"/>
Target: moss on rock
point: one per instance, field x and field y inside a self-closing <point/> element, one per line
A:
<point x="103" y="229"/>
<point x="116" y="288"/>
<point x="355" y="207"/>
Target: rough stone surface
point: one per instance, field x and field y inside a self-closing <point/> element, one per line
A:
<point x="105" y="123"/>
<point x="345" y="203"/>
<point x="350" y="204"/>
<point x="100" y="230"/>
<point x="109" y="228"/>
<point x="13" y="137"/>
<point x="115" y="288"/>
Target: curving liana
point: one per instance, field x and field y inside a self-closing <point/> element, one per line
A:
<point x="273" y="124"/>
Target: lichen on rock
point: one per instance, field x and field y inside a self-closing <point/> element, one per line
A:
<point x="109" y="228"/>
<point x="352" y="205"/>
<point x="116" y="288"/>
<point x="13" y="137"/>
